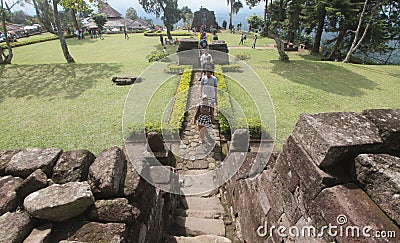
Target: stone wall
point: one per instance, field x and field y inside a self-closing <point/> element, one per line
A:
<point x="336" y="170"/>
<point x="48" y="195"/>
<point x="204" y="17"/>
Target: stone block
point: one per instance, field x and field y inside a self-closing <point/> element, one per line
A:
<point x="240" y="141"/>
<point x="8" y="195"/>
<point x="313" y="178"/>
<point x="379" y="177"/>
<point x="72" y="166"/>
<point x="5" y="157"/>
<point x="155" y="142"/>
<point x="349" y="207"/>
<point x="59" y="202"/>
<point x="388" y="123"/>
<point x="40" y="234"/>
<point x="27" y="161"/>
<point x="113" y="211"/>
<point x="35" y="181"/>
<point x="340" y="138"/>
<point x="90" y="232"/>
<point x="14" y="227"/>
<point x="106" y="173"/>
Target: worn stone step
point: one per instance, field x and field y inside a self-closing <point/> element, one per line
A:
<point x="199" y="239"/>
<point x="191" y="226"/>
<point x="202" y="204"/>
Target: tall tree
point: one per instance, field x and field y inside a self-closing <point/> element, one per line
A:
<point x="314" y="15"/>
<point x="186" y="15"/>
<point x="131" y="14"/>
<point x="235" y="6"/>
<point x="274" y="15"/>
<point x="5" y="8"/>
<point x="60" y="33"/>
<point x="166" y="9"/>
<point x="294" y="8"/>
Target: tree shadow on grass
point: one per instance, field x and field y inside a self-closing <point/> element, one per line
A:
<point x="324" y="76"/>
<point x="52" y="80"/>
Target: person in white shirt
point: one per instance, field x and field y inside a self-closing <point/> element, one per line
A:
<point x="209" y="85"/>
<point x="205" y="58"/>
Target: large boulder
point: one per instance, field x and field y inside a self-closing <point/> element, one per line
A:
<point x="73" y="166"/>
<point x="8" y="195"/>
<point x="388" y="123"/>
<point x="5" y="157"/>
<point x="379" y="176"/>
<point x="27" y="161"/>
<point x="113" y="211"/>
<point x="90" y="232"/>
<point x="60" y="202"/>
<point x="36" y="181"/>
<point x="240" y="141"/>
<point x="333" y="140"/>
<point x="14" y="227"/>
<point x="106" y="173"/>
<point x="349" y="206"/>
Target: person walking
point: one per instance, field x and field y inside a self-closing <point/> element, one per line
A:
<point x="204" y="117"/>
<point x="161" y="39"/>
<point x="126" y="34"/>
<point x="254" y="42"/>
<point x="208" y="87"/>
<point x="241" y="40"/>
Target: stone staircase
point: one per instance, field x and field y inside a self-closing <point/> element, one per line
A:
<point x="200" y="218"/>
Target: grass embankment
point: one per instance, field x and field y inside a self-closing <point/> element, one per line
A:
<point x="45" y="102"/>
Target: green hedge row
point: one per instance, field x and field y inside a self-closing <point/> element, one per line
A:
<point x="176" y="69"/>
<point x="181" y="97"/>
<point x="231" y="68"/>
<point x="226" y="112"/>
<point x="164" y="33"/>
<point x="32" y="41"/>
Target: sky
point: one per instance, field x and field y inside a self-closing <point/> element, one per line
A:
<point x="220" y="8"/>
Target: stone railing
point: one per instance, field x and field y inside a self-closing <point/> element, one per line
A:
<point x="47" y="195"/>
<point x="337" y="174"/>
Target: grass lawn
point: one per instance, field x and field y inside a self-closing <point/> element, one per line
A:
<point x="45" y="102"/>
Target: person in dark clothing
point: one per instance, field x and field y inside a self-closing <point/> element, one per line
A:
<point x="161" y="40"/>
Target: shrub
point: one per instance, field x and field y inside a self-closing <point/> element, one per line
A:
<point x="32" y="41"/>
<point x="215" y="37"/>
<point x="176" y="69"/>
<point x="157" y="56"/>
<point x="214" y="31"/>
<point x="225" y="111"/>
<point x="231" y="68"/>
<point x="181" y="97"/>
<point x="243" y="56"/>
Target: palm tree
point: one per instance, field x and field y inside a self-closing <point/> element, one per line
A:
<point x="235" y="6"/>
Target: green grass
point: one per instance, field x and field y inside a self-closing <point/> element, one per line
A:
<point x="234" y="39"/>
<point x="45" y="102"/>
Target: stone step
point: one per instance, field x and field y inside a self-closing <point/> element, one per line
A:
<point x="202" y="204"/>
<point x="199" y="239"/>
<point x="190" y="226"/>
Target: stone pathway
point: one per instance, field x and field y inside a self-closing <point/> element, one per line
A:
<point x="198" y="219"/>
<point x="194" y="155"/>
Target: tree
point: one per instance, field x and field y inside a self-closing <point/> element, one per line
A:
<point x="273" y="17"/>
<point x="60" y="33"/>
<point x="167" y="9"/>
<point x="5" y="8"/>
<point x="100" y="20"/>
<point x="294" y="8"/>
<point x="235" y="6"/>
<point x="44" y="13"/>
<point x="131" y="14"/>
<point x="20" y="17"/>
<point x="314" y="15"/>
<point x="255" y="21"/>
<point x="224" y="24"/>
<point x="187" y="15"/>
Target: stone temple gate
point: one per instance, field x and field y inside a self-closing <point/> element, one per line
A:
<point x="205" y="16"/>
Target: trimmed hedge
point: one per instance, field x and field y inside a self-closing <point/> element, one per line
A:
<point x="226" y="112"/>
<point x="231" y="68"/>
<point x="30" y="42"/>
<point x="164" y="33"/>
<point x="181" y="97"/>
<point x="176" y="69"/>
